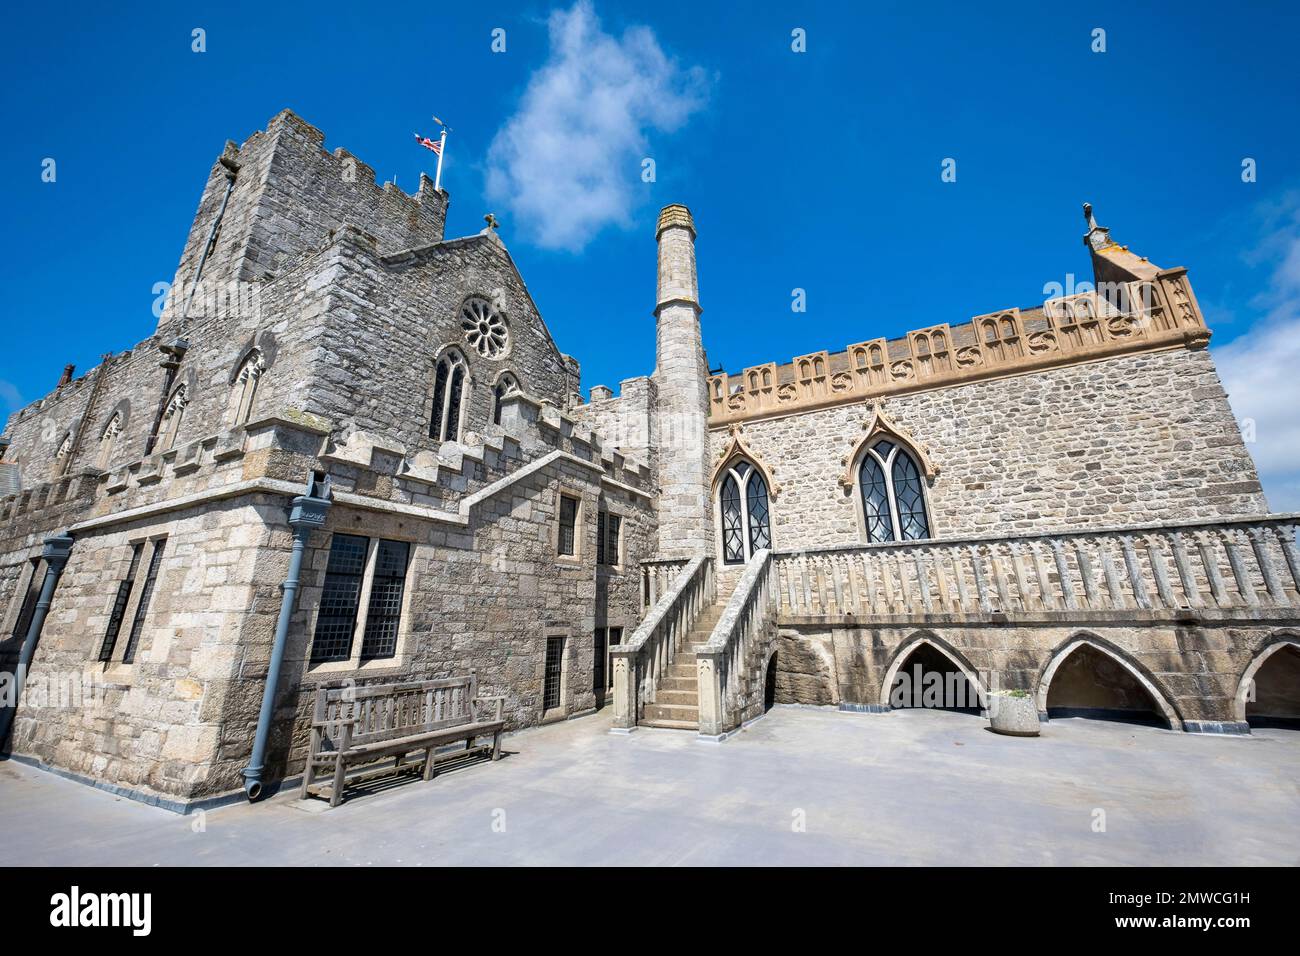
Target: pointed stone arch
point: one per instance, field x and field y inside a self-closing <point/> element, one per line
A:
<point x="904" y="651"/>
<point x="877" y="425"/>
<point x="1276" y="642"/>
<point x="1147" y="680"/>
<point x="737" y="447"/>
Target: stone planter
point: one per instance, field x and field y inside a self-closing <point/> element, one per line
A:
<point x="1014" y="713"/>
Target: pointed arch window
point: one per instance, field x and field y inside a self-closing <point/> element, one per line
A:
<point x="448" y="396"/>
<point x="244" y="393"/>
<point x="108" y="441"/>
<point x="62" y="457"/>
<point x="893" y="494"/>
<point x="507" y="384"/>
<point x="745" y="511"/>
<point x="173" y="418"/>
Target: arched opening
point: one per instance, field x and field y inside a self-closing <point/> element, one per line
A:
<point x="507" y="384"/>
<point x="1085" y="680"/>
<point x="769" y="684"/>
<point x="744" y="512"/>
<point x="928" y="678"/>
<point x="243" y="392"/>
<point x="1271" y="694"/>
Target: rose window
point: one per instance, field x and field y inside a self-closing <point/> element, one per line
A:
<point x="485" y="328"/>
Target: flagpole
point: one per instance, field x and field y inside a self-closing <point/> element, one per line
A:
<point x="442" y="148"/>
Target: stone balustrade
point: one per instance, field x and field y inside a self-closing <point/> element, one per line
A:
<point x="731" y="663"/>
<point x="642" y="660"/>
<point x="1226" y="568"/>
<point x="657" y="577"/>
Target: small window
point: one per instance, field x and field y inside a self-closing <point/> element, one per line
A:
<point x="608" y="528"/>
<point x="568" y="540"/>
<point x="28" y="609"/>
<point x="142" y="609"/>
<point x="554" y="673"/>
<point x="124" y="589"/>
<point x="108" y="442"/>
<point x="507" y="384"/>
<point x="244" y="393"/>
<point x="173" y="418"/>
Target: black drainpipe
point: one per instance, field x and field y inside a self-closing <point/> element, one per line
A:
<point x="307" y="515"/>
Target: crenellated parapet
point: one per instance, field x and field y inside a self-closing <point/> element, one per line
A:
<point x="1124" y="317"/>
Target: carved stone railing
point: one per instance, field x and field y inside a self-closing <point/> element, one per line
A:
<point x="657" y="577"/>
<point x="1156" y="314"/>
<point x="641" y="661"/>
<point x="731" y="663"/>
<point x="1226" y="568"/>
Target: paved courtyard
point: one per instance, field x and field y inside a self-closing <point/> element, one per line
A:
<point x="799" y="786"/>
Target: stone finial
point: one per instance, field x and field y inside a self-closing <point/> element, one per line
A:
<point x="1097" y="237"/>
<point x="674" y="215"/>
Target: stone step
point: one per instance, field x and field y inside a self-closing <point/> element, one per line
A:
<point x="690" y="698"/>
<point x="673" y="712"/>
<point x="680" y="683"/>
<point x="671" y="724"/>
<point x="681" y="672"/>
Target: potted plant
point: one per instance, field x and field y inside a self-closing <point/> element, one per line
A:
<point x="1013" y="712"/>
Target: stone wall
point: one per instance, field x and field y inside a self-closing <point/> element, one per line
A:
<point x="485" y="588"/>
<point x="1138" y="438"/>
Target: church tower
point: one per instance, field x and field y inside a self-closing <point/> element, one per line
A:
<point x="681" y="376"/>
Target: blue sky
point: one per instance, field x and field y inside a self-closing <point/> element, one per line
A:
<point x="817" y="170"/>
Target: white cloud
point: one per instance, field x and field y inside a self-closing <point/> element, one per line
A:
<point x="1261" y="370"/>
<point x="568" y="162"/>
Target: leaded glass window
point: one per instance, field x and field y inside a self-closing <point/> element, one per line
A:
<point x="337" y="618"/>
<point x="745" y="512"/>
<point x="384" y="612"/>
<point x="893" y="494"/>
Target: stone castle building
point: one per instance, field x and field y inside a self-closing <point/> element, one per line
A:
<point x="1054" y="499"/>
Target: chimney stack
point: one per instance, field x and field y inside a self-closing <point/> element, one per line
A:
<point x="681" y="377"/>
<point x="67" y="374"/>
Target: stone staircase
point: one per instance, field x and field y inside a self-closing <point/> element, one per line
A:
<point x="677" y="696"/>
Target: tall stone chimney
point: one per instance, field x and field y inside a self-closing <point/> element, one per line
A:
<point x="681" y="376"/>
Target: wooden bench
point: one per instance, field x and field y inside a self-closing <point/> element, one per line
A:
<point x="354" y="725"/>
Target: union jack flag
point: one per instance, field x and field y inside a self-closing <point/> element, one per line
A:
<point x="427" y="143"/>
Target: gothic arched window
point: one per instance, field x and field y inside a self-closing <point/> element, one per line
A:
<point x="173" y="417"/>
<point x="244" y="392"/>
<point x="507" y="384"/>
<point x="448" y="396"/>
<point x="746" y="516"/>
<point x="108" y="441"/>
<point x="893" y="494"/>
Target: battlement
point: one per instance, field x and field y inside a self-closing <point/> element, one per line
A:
<point x="1156" y="313"/>
<point x="281" y="195"/>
